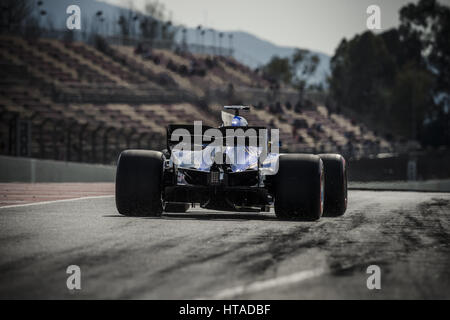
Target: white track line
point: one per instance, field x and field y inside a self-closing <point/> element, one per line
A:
<point x="53" y="201"/>
<point x="268" y="284"/>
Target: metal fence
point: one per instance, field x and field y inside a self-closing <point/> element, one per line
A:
<point x="69" y="140"/>
<point x="168" y="44"/>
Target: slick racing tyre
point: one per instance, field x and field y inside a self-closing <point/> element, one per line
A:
<point x="138" y="183"/>
<point x="335" y="202"/>
<point x="176" y="207"/>
<point x="299" y="187"/>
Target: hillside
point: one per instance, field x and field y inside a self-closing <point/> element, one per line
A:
<point x="254" y="52"/>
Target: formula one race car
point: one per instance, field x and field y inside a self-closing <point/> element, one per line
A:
<point x="234" y="167"/>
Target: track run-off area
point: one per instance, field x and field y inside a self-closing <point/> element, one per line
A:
<point x="222" y="255"/>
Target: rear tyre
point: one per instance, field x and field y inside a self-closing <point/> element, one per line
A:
<point x="299" y="187"/>
<point x="138" y="183"/>
<point x="335" y="202"/>
<point x="176" y="207"/>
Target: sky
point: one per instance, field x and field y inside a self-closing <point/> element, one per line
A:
<point x="313" y="24"/>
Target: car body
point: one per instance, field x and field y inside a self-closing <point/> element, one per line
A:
<point x="233" y="167"/>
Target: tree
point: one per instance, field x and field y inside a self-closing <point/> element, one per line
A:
<point x="293" y="70"/>
<point x="13" y="13"/>
<point x="362" y="71"/>
<point x="125" y="21"/>
<point x="304" y="64"/>
<point x="398" y="80"/>
<point x="153" y="24"/>
<point x="411" y="100"/>
<point x="428" y="23"/>
<point x="279" y="70"/>
<point x="149" y="28"/>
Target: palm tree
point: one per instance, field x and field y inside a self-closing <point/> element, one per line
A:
<point x="184" y="41"/>
<point x="220" y="42"/>
<point x="198" y="30"/>
<point x="202" y="34"/>
<point x="135" y="20"/>
<point x="230" y="46"/>
<point x="99" y="15"/>
<point x="213" y="32"/>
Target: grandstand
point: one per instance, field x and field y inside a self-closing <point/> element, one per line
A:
<point x="75" y="101"/>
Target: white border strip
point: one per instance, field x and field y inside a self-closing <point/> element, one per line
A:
<point x="268" y="284"/>
<point x="53" y="201"/>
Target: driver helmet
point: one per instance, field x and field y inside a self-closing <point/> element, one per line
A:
<point x="239" y="121"/>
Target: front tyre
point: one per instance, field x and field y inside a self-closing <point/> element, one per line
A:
<point x="138" y="183"/>
<point x="299" y="187"/>
<point x="335" y="185"/>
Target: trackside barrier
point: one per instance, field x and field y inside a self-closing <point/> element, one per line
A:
<point x="427" y="166"/>
<point x="16" y="169"/>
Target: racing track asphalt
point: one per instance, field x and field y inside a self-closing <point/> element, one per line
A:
<point x="204" y="254"/>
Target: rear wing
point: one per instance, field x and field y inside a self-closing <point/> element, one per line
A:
<point x="236" y="109"/>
